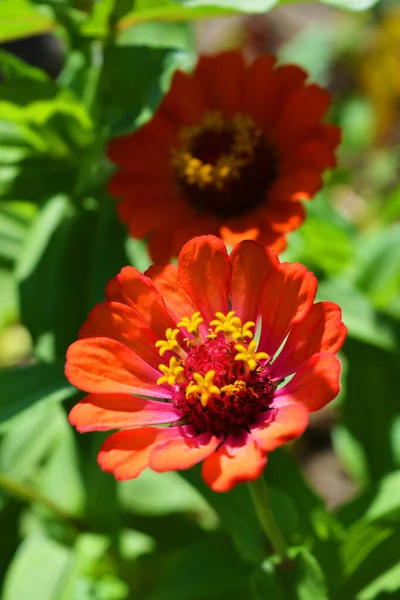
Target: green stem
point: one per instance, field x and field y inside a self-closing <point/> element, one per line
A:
<point x="259" y="493"/>
<point x="29" y="494"/>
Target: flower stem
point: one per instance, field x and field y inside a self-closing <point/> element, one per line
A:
<point x="259" y="493"/>
<point x="29" y="494"/>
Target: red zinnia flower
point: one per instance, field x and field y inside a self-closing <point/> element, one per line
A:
<point x="231" y="151"/>
<point x="218" y="387"/>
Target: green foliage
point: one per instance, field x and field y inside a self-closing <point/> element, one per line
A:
<point x="71" y="531"/>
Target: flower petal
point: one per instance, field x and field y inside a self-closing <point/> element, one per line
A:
<point x="180" y="451"/>
<point x="229" y="466"/>
<point x="104" y="366"/>
<point x="100" y="412"/>
<point x="321" y="330"/>
<point x="204" y="272"/>
<point x="302" y="111"/>
<point x="165" y="278"/>
<point x="222" y="76"/>
<point x="283" y="424"/>
<point x="185" y="102"/>
<point x="251" y="262"/>
<point x="137" y="291"/>
<point x="288" y="293"/>
<point x="284" y="216"/>
<point x="120" y="322"/>
<point x="315" y="384"/>
<point x="126" y="453"/>
<point x="260" y="87"/>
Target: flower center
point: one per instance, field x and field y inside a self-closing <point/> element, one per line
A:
<point x="224" y="167"/>
<point x="220" y="382"/>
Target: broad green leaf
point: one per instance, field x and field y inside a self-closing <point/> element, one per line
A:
<point x="364" y="322"/>
<point x="368" y="551"/>
<point x="377" y="269"/>
<point x="208" y="569"/>
<point x="376" y="501"/>
<point x="371" y="404"/>
<point x="21" y="387"/>
<point x="18" y="18"/>
<point x="301" y="578"/>
<point x="161" y="494"/>
<point x="237" y="514"/>
<point x="54" y="572"/>
<point x="72" y="253"/>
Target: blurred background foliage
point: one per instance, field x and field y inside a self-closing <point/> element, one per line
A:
<point x="73" y="74"/>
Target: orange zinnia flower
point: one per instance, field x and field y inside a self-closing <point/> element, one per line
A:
<point x="231" y="151"/>
<point x="218" y="387"/>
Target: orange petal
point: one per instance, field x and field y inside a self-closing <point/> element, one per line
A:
<point x="100" y="412"/>
<point x="221" y="76"/>
<point x="185" y="102"/>
<point x="301" y="184"/>
<point x="104" y="366"/>
<point x="165" y="278"/>
<point x="229" y="466"/>
<point x="321" y="330"/>
<point x="260" y="91"/>
<point x="251" y="262"/>
<point x="137" y="291"/>
<point x="126" y="453"/>
<point x="120" y="322"/>
<point x="315" y="384"/>
<point x="180" y="452"/>
<point x="147" y="212"/>
<point x="287" y="295"/>
<point x="302" y="111"/>
<point x="283" y="216"/>
<point x="204" y="272"/>
<point x="287" y="423"/>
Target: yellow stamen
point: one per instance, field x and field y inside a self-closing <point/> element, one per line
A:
<point x="243" y="332"/>
<point x="239" y="153"/>
<point x="249" y="355"/>
<point x="170" y="343"/>
<point x="203" y="386"/>
<point x="191" y="325"/>
<point x="172" y="374"/>
<point x="212" y="335"/>
<point x="228" y="324"/>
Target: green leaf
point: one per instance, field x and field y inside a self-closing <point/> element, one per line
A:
<point x="371" y="404"/>
<point x="71" y="253"/>
<point x="237" y="514"/>
<point x="19" y="19"/>
<point x="300" y="578"/>
<point x="208" y="569"/>
<point x="21" y="387"/>
<point x="364" y="322"/>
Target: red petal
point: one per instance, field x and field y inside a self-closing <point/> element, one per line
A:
<point x="315" y="384"/>
<point x="251" y="262"/>
<point x="137" y="291"/>
<point x="185" y="102"/>
<point x="321" y="330"/>
<point x="290" y="78"/>
<point x="204" y="271"/>
<point x="302" y="111"/>
<point x="311" y="155"/>
<point x="286" y="424"/>
<point x="260" y="92"/>
<point x="104" y="366"/>
<point x="165" y="278"/>
<point x="100" y="412"/>
<point x="283" y="216"/>
<point x="287" y="295"/>
<point x="120" y="322"/>
<point x="126" y="453"/>
<point x="229" y="466"/>
<point x="221" y="76"/>
<point x="180" y="452"/>
<point x="301" y="184"/>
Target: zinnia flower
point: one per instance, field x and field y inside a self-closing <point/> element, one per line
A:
<point x="231" y="151"/>
<point x="205" y="346"/>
